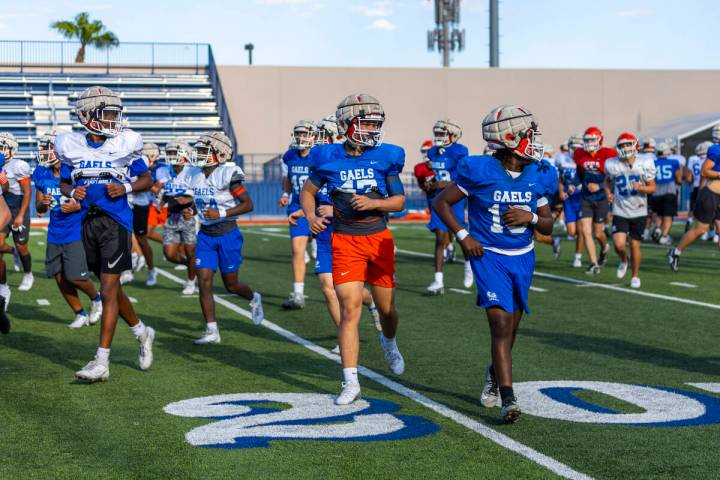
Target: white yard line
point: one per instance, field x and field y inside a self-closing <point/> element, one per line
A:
<point x="458" y="290"/>
<point x="487" y="432"/>
<point x="683" y="284"/>
<point x="133" y="300"/>
<point x="43" y="301"/>
<point x="538" y="289"/>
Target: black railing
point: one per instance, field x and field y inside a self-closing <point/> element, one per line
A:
<point x="27" y="54"/>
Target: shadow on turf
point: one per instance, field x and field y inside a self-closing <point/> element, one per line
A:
<point x="626" y="350"/>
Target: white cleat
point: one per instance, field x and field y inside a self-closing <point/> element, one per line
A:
<point x="6" y="294"/>
<point x="665" y="241"/>
<point x="468" y="278"/>
<point x="489" y="396"/>
<point x="139" y="265"/>
<point x="336" y="350"/>
<point x="180" y="267"/>
<point x="151" y="278"/>
<point x="258" y="315"/>
<point x="350" y="393"/>
<point x="95" y="312"/>
<point x="375" y="317"/>
<point x="436" y="288"/>
<point x="95" y="371"/>
<point x="126" y="277"/>
<point x="622" y="269"/>
<point x="635" y="282"/>
<point x="189" y="288"/>
<point x="313" y="248"/>
<point x="27" y="282"/>
<point x="208" y="338"/>
<point x="81" y="320"/>
<point x="393" y="357"/>
<point x="577" y="262"/>
<point x="145" y="356"/>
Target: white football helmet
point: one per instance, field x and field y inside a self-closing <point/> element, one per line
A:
<point x="46" y="150"/>
<point x="648" y="145"/>
<point x="446" y="132"/>
<point x="360" y="118"/>
<point x="513" y="128"/>
<point x="702" y="149"/>
<point x="212" y="148"/>
<point x="8" y="144"/>
<point x="575" y="142"/>
<point x="327" y="130"/>
<point x="716" y="134"/>
<point x="178" y="153"/>
<point x="151" y="151"/>
<point x="100" y="111"/>
<point x="663" y="149"/>
<point x="303" y="135"/>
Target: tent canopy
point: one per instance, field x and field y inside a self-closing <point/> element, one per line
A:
<point x="683" y="127"/>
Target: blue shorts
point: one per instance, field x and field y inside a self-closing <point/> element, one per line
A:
<point x="323" y="261"/>
<point x="224" y="251"/>
<point x="503" y="280"/>
<point x="302" y="229"/>
<point x="572" y="209"/>
<point x="437" y="225"/>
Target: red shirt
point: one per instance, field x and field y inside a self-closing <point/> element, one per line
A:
<point x="591" y="169"/>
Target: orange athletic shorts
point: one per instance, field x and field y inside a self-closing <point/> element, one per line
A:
<point x="364" y="258"/>
<point x="155" y="218"/>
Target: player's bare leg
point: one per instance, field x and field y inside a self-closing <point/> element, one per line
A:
<point x="665" y="227"/>
<point x="331" y="300"/>
<point x="233" y="285"/>
<point x="350" y="299"/>
<point x="147" y="252"/>
<point x="181" y="254"/>
<point x="385" y="302"/>
<point x="635" y="258"/>
<point x="442" y="240"/>
<point x="69" y="290"/>
<point x="369" y="302"/>
<point x="586" y="229"/>
<point x="115" y="303"/>
<point x="207" y="305"/>
<point x="503" y="331"/>
<point x="697" y="231"/>
<point x="601" y="237"/>
<point x="297" y="297"/>
<point x="620" y="244"/>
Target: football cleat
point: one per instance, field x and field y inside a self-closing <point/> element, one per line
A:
<point x="151" y="278"/>
<point x="489" y="395"/>
<point x="95" y="312"/>
<point x="375" y="317"/>
<point x="27" y="282"/>
<point x="393" y="357"/>
<point x="577" y="262"/>
<point x="294" y="302"/>
<point x="665" y="240"/>
<point x="593" y="269"/>
<point x="180" y="267"/>
<point x="656" y="235"/>
<point x="716" y="239"/>
<point x="705" y="237"/>
<point x="604" y="255"/>
<point x="673" y="260"/>
<point x="4" y="320"/>
<point x="81" y="320"/>
<point x="189" y="288"/>
<point x="350" y="393"/>
<point x="556" y="247"/>
<point x="510" y="411"/>
<point x="126" y="277"/>
<point x="17" y="264"/>
<point x="313" y="248"/>
<point x="635" y="282"/>
<point x="208" y="338"/>
<point x="256" y="306"/>
<point x="5" y="293"/>
<point x="468" y="278"/>
<point x="140" y="264"/>
<point x="646" y="235"/>
<point x="436" y="288"/>
<point x="622" y="269"/>
<point x="336" y="350"/>
<point x="94" y="371"/>
<point x="145" y="355"/>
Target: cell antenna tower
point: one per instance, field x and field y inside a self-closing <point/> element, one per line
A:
<point x="446" y="36"/>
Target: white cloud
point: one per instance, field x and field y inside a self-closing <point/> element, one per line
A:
<point x="382" y="24"/>
<point x="634" y="12"/>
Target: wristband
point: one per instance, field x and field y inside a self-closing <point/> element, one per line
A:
<point x="285" y="195"/>
<point x="72" y="193"/>
<point x="222" y="212"/>
<point x="461" y="234"/>
<point x="535" y="219"/>
<point x="128" y="187"/>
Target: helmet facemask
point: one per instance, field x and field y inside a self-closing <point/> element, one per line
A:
<point x="441" y="137"/>
<point x="626" y="149"/>
<point x="46" y="154"/>
<point x="303" y="138"/>
<point x="531" y="146"/>
<point x="591" y="143"/>
<point x="366" y="130"/>
<point x="204" y="156"/>
<point x="6" y="149"/>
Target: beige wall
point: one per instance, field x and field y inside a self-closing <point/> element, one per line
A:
<point x="266" y="101"/>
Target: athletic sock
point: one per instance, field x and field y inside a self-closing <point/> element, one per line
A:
<point x="578" y="256"/>
<point x="390" y="342"/>
<point x="80" y="312"/>
<point x="372" y="306"/>
<point x="492" y="370"/>
<point x="212" y="327"/>
<point x="676" y="251"/>
<point x="467" y="265"/>
<point x="506" y="394"/>
<point x="26" y="262"/>
<point x="439" y="277"/>
<point x="299" y="288"/>
<point x="97" y="298"/>
<point x="138" y="330"/>
<point x="350" y="376"/>
<point x="103" y="355"/>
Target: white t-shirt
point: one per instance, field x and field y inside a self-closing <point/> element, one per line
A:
<point x="628" y="202"/>
<point x="213" y="191"/>
<point x="695" y="166"/>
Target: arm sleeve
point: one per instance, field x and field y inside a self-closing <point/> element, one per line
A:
<point x="465" y="181"/>
<point x="237" y="187"/>
<point x="66" y="171"/>
<point x="23" y="171"/>
<point x="394" y="185"/>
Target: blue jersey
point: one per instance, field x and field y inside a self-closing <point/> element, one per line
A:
<point x="63" y="227"/>
<point x="444" y="161"/>
<point x="491" y="192"/>
<point x="665" y="169"/>
<point x="549" y="175"/>
<point x="345" y="175"/>
<point x="568" y="173"/>
<point x="298" y="169"/>
<point x="713" y="154"/>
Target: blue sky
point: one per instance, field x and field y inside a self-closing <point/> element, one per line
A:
<point x="549" y="34"/>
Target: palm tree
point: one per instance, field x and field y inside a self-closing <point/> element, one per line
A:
<point x="87" y="32"/>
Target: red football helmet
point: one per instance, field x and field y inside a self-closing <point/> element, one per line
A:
<point x="627" y="145"/>
<point x="592" y="139"/>
<point x="426" y="145"/>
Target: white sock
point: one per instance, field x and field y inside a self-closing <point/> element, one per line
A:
<point x="439" y="277"/>
<point x="103" y="355"/>
<point x="578" y="256"/>
<point x="390" y="342"/>
<point x="212" y="327"/>
<point x="298" y="288"/>
<point x="467" y="265"/>
<point x="350" y="376"/>
<point x="138" y="330"/>
<point x="676" y="251"/>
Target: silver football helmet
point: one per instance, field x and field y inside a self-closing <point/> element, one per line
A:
<point x="178" y="153"/>
<point x="212" y="148"/>
<point x="151" y="150"/>
<point x="446" y="132"/>
<point x="8" y="144"/>
<point x="303" y="135"/>
<point x="327" y="130"/>
<point x="702" y="149"/>
<point x="513" y="128"/>
<point x="360" y="118"/>
<point x="100" y="111"/>
<point x="46" y="149"/>
<point x="575" y="142"/>
<point x="716" y="134"/>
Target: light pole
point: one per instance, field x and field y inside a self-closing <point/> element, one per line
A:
<point x="249" y="47"/>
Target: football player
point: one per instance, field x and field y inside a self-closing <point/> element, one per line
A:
<point x="424" y="174"/>
<point x="220" y="197"/>
<point x="444" y="157"/>
<point x="594" y="207"/>
<point x="670" y="172"/>
<point x="157" y="215"/>
<point x="96" y="170"/>
<point x="362" y="179"/>
<point x="179" y="233"/>
<point x="17" y="192"/>
<point x="5" y="218"/>
<point x="64" y="254"/>
<point x="628" y="182"/>
<point x="569" y="189"/>
<point x="297" y="167"/>
<point x="506" y="205"/>
<point x="648" y="150"/>
<point x="693" y="177"/>
<point x="707" y="208"/>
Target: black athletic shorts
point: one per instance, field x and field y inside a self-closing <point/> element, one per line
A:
<point x="693" y="198"/>
<point x="21" y="236"/>
<point x="68" y="259"/>
<point x="665" y="205"/>
<point x="140" y="219"/>
<point x="631" y="226"/>
<point x="596" y="209"/>
<point x="707" y="207"/>
<point x="107" y="244"/>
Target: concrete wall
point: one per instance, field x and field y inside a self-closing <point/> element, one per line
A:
<point x="266" y="101"/>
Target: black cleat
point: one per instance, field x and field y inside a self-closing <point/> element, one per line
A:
<point x="673" y="260"/>
<point x="510" y="411"/>
<point x="4" y="320"/>
<point x="602" y="260"/>
<point x="593" y="269"/>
